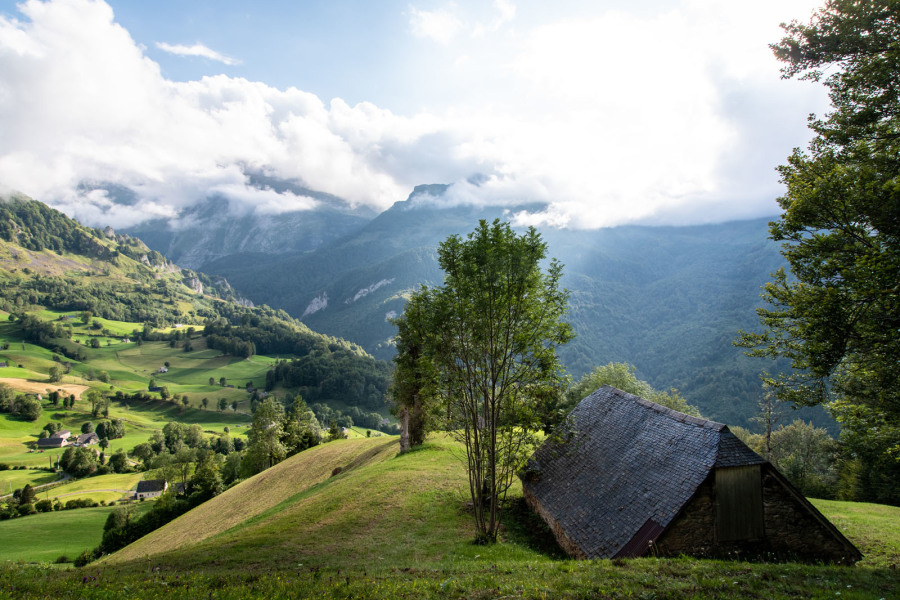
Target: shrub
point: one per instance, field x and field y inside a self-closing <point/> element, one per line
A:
<point x="86" y="557"/>
<point x="44" y="505"/>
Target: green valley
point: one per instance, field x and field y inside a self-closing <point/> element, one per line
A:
<point x="96" y="329"/>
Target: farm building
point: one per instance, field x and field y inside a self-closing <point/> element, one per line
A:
<point x="86" y="439"/>
<point x="51" y="442"/>
<point x="629" y="477"/>
<point x="57" y="439"/>
<point x="150" y="488"/>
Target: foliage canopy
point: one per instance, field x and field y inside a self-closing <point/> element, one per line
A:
<point x="623" y="377"/>
<point x="837" y="315"/>
<point x="488" y="341"/>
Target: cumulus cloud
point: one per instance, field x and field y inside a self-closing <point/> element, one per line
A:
<point x="81" y="102"/>
<point x="607" y="119"/>
<point x="197" y="49"/>
<point x="674" y="116"/>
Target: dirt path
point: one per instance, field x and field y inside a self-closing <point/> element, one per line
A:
<point x="36" y="387"/>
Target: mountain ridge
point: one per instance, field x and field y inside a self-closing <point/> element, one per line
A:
<point x="668" y="299"/>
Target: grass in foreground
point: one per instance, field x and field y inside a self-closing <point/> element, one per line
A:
<point x="389" y="526"/>
<point x="874" y="528"/>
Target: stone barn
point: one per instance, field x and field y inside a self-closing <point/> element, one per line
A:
<point x="630" y="478"/>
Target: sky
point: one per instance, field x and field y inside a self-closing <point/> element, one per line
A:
<point x="606" y="112"/>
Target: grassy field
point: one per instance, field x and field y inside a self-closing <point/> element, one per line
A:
<point x="141" y="419"/>
<point x="44" y="537"/>
<point x="392" y="526"/>
<point x="130" y="367"/>
<point x="97" y="489"/>
<point x="15" y="479"/>
<point x="874" y="528"/>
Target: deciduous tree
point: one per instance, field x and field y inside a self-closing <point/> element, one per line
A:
<point x="414" y="377"/>
<point x="623" y="377"/>
<point x="492" y="332"/>
<point x="837" y="314"/>
<point x="265" y="435"/>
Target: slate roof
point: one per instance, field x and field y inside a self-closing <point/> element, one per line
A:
<point x="151" y="485"/>
<point x="627" y="469"/>
<point x="88" y="438"/>
<point x="51" y="442"/>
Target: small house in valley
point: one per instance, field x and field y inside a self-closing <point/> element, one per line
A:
<point x="51" y="442"/>
<point x="86" y="439"/>
<point x="150" y="488"/>
<point x="57" y="439"/>
<point x="629" y="477"/>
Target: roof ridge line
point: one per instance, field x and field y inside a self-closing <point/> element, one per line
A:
<point x="670" y="412"/>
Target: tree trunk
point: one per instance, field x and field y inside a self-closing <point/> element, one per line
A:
<point x="404" y="431"/>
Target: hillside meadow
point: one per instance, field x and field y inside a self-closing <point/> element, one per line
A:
<point x="355" y="519"/>
<point x="45" y="537"/>
<point x="130" y="367"/>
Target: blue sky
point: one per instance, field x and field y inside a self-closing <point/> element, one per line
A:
<point x="666" y="111"/>
<point x="332" y="49"/>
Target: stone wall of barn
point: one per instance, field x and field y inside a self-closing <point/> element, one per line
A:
<point x="792" y="530"/>
<point x="693" y="531"/>
<point x="570" y="547"/>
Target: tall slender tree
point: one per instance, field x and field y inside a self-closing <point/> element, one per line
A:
<point x="489" y="338"/>
<point x="413" y="383"/>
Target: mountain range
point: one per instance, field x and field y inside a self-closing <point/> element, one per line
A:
<point x="668" y="300"/>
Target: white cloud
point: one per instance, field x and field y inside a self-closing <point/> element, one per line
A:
<point x="612" y="118"/>
<point x="679" y="116"/>
<point x="197" y="49"/>
<point x="505" y="13"/>
<point x="444" y="25"/>
<point x="81" y="102"/>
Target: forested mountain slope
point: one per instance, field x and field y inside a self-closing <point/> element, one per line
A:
<point x="50" y="266"/>
<point x="669" y="300"/>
